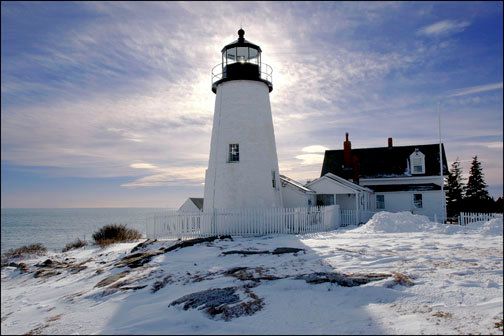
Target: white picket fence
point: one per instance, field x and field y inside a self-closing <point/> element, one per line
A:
<point x="349" y="217"/>
<point x="243" y="222"/>
<point x="471" y="217"/>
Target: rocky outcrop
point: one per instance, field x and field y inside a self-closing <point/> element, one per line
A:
<point x="345" y="280"/>
<point x="222" y="303"/>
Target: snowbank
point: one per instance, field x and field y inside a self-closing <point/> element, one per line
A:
<point x="492" y="227"/>
<point x="401" y="222"/>
<point x="398" y="222"/>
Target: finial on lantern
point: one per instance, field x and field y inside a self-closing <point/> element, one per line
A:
<point x="241" y="32"/>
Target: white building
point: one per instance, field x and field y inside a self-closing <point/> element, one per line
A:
<point x="402" y="178"/>
<point x="243" y="166"/>
<point x="296" y="195"/>
<point x="192" y="205"/>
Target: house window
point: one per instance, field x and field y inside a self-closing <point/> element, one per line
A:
<point x="234" y="153"/>
<point x="273" y="179"/>
<point x="380" y="202"/>
<point x="417" y="160"/>
<point x="417" y="200"/>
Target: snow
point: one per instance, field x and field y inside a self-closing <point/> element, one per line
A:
<point x="457" y="274"/>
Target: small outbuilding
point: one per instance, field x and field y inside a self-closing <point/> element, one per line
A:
<point x="295" y="194"/>
<point x="192" y="204"/>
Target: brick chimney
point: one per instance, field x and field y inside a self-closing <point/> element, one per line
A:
<point x="390" y="142"/>
<point x="347" y="152"/>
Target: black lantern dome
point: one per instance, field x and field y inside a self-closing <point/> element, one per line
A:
<point x="241" y="59"/>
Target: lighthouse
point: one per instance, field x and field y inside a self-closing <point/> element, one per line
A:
<point x="243" y="165"/>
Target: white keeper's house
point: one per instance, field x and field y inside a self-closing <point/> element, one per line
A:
<point x="243" y="166"/>
<point x="390" y="178"/>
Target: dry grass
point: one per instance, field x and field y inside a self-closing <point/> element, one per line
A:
<point x="442" y="314"/>
<point x="402" y="279"/>
<point x="115" y="233"/>
<point x="54" y="318"/>
<point x="78" y="243"/>
<point x="37" y="249"/>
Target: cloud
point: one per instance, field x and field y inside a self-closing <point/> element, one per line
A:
<point x="169" y="176"/>
<point x="445" y="27"/>
<point x="310" y="159"/>
<point x="143" y="166"/>
<point x="314" y="149"/>
<point x="476" y="89"/>
<point x="127" y="92"/>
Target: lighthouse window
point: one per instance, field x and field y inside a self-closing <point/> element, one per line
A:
<point x="231" y="55"/>
<point x="252" y="53"/>
<point x="273" y="179"/>
<point x="242" y="54"/>
<point x="234" y="153"/>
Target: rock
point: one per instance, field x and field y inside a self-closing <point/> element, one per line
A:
<point x="342" y="279"/>
<point x="249" y="274"/>
<point x="111" y="279"/>
<point x="210" y="298"/>
<point x="77" y="269"/>
<point x="161" y="283"/>
<point x="282" y="250"/>
<point x="45" y="273"/>
<point x="45" y="263"/>
<point x="242" y="309"/>
<point x="143" y="245"/>
<point x="191" y="242"/>
<point x="244" y="252"/>
<point x="223" y="302"/>
<point x="138" y="259"/>
<point x="22" y="267"/>
<point x="132" y="287"/>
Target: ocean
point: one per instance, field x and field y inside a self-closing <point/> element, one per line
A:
<point x="54" y="228"/>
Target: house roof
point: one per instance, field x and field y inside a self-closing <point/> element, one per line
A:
<point x="347" y="184"/>
<point x="384" y="161"/>
<point x="295" y="184"/>
<point x="197" y="201"/>
<point x="404" y="187"/>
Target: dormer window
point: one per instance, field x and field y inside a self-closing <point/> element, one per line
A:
<point x="417" y="160"/>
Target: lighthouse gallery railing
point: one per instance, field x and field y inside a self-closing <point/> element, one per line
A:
<point x="265" y="71"/>
<point x="243" y="222"/>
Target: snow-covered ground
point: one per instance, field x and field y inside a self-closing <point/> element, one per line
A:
<point x="456" y="286"/>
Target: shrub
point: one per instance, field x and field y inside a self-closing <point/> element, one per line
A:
<point x="37" y="249"/>
<point x="115" y="233"/>
<point x="78" y="243"/>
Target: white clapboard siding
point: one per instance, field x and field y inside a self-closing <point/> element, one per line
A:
<point x="471" y="217"/>
<point x="243" y="222"/>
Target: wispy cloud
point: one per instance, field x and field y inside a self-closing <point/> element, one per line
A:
<point x="445" y="27"/>
<point x="476" y="89"/>
<point x="125" y="92"/>
<point x="314" y="149"/>
<point x="143" y="166"/>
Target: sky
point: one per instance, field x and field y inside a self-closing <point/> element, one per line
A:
<point x="110" y="104"/>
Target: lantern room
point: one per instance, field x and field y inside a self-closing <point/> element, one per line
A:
<point x="241" y="59"/>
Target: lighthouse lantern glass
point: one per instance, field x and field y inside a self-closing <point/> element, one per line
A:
<point x="231" y="55"/>
<point x="242" y="55"/>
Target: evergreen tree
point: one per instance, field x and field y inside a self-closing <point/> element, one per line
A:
<point x="455" y="189"/>
<point x="477" y="197"/>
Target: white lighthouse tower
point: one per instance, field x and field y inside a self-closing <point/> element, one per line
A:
<point x="243" y="166"/>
